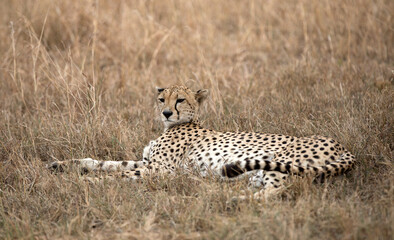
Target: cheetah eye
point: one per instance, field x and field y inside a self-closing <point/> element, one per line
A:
<point x="161" y="99"/>
<point x="180" y="100"/>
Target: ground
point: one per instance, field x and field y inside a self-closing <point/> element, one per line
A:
<point x="78" y="80"/>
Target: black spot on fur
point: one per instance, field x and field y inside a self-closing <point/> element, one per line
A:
<point x="84" y="171"/>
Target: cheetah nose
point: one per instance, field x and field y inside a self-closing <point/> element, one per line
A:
<point x="167" y="113"/>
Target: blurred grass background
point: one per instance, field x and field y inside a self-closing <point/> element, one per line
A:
<point x="78" y="80"/>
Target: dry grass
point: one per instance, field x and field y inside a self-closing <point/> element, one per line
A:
<point x="78" y="78"/>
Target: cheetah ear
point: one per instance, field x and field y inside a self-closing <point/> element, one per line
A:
<point x="201" y="95"/>
<point x="159" y="89"/>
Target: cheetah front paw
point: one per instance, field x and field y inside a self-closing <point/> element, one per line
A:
<point x="55" y="166"/>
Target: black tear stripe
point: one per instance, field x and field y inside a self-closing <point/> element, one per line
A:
<point x="231" y="170"/>
<point x="176" y="109"/>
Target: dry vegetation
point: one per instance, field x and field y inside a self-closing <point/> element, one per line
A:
<point x="78" y="78"/>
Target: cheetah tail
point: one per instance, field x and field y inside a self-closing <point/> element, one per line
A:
<point x="344" y="163"/>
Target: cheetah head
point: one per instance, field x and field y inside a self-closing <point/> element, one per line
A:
<point x="178" y="104"/>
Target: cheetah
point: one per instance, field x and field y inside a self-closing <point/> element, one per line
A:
<point x="267" y="159"/>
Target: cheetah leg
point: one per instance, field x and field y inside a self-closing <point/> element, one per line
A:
<point x="256" y="181"/>
<point x="133" y="175"/>
<point x="89" y="164"/>
<point x="271" y="183"/>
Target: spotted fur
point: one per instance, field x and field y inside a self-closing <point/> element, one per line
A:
<point x="267" y="158"/>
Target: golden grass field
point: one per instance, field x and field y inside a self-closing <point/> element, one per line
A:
<point x="78" y="80"/>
